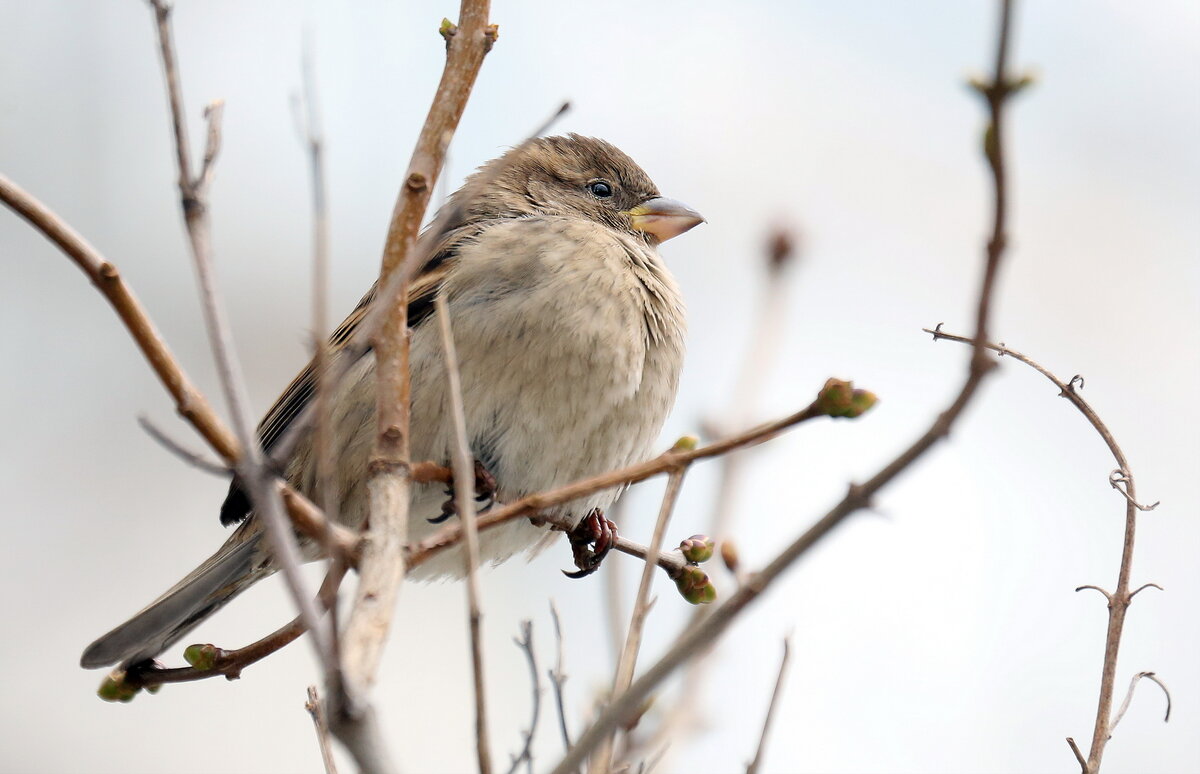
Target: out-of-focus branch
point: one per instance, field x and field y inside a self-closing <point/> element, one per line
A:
<point x="859" y="495"/>
<point x="464" y="498"/>
<point x="1121" y="479"/>
<point x="754" y="765"/>
<point x="313" y="705"/>
<point x="253" y="474"/>
<point x="558" y="676"/>
<point x="525" y="643"/>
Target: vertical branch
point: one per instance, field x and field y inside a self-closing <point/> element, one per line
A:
<point x="382" y="565"/>
<point x="253" y="474"/>
<point x="464" y="498"/>
<point x="641" y="608"/>
<point x="313" y="705"/>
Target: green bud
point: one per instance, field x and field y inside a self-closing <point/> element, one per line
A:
<point x="695" y="587"/>
<point x="697" y="548"/>
<point x="114" y="688"/>
<point x="447" y="29"/>
<point x="839" y="399"/>
<point x="686" y="443"/>
<point x="202" y="657"/>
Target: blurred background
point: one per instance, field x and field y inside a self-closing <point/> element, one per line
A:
<point x="939" y="633"/>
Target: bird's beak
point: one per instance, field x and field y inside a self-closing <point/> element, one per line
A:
<point x="664" y="218"/>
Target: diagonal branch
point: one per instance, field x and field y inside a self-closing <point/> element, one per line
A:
<point x="251" y="468"/>
<point x="859" y="495"/>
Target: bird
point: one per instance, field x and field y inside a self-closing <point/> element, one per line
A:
<point x="570" y="334"/>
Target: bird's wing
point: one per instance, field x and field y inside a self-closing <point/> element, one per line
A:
<point x="296" y="396"/>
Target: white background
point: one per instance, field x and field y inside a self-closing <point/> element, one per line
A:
<point x="938" y="634"/>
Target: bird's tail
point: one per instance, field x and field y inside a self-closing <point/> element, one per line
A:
<point x="204" y="591"/>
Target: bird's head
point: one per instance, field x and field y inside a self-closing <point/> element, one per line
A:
<point x="577" y="177"/>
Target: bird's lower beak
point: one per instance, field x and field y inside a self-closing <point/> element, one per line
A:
<point x="664" y="218"/>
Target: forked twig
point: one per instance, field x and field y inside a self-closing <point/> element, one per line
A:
<point x="525" y="643"/>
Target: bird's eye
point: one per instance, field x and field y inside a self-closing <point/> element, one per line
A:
<point x="600" y="189"/>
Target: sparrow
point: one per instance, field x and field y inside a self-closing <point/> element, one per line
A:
<point x="570" y="337"/>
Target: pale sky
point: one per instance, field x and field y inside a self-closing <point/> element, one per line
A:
<point x="939" y="633"/>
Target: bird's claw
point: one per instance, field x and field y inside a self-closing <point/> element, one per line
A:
<point x="591" y="540"/>
<point x="485" y="492"/>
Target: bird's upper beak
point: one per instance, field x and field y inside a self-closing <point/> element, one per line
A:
<point x="664" y="218"/>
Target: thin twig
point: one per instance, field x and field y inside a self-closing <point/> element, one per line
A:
<point x="762" y="738"/>
<point x="308" y="119"/>
<point x="195" y="459"/>
<point x="313" y="705"/>
<point x="558" y="676"/>
<point x="231" y="663"/>
<point x="1129" y="697"/>
<point x="641" y="608"/>
<point x="252" y="471"/>
<point x="1118" y="600"/>
<point x="670" y="460"/>
<point x="1083" y="766"/>
<point x="525" y="643"/>
<point x="464" y="498"/>
<point x="860" y="495"/>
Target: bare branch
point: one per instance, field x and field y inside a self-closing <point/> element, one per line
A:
<point x="762" y="739"/>
<point x="313" y="705"/>
<point x="383" y="562"/>
<point x="1121" y="479"/>
<point x="208" y="661"/>
<point x="464" y="497"/>
<point x="1083" y="766"/>
<point x="252" y="472"/>
<point x="664" y="463"/>
<point x="525" y="643"/>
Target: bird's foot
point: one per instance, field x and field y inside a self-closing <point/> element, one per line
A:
<point x="485" y="492"/>
<point x="591" y="540"/>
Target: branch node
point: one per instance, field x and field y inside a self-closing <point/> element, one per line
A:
<point x="416" y="182"/>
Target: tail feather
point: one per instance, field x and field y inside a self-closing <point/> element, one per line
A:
<point x="204" y="591"/>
